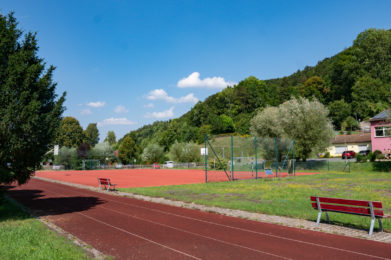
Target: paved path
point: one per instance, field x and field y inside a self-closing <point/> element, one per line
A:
<point x="134" y="229"/>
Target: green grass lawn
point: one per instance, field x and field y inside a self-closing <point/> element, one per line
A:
<point x="287" y="196"/>
<point x="23" y="237"/>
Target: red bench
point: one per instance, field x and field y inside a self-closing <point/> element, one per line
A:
<point x="106" y="183"/>
<point x="373" y="209"/>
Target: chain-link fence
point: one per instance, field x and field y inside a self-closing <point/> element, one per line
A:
<point x="237" y="157"/>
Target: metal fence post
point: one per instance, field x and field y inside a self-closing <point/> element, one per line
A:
<point x="232" y="157"/>
<point x="206" y="162"/>
<point x="256" y="158"/>
<point x="276" y="152"/>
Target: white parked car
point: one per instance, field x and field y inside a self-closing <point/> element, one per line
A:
<point x="168" y="164"/>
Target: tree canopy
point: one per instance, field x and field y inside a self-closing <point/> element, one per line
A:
<point x="70" y="133"/>
<point x="110" y="138"/>
<point x="127" y="151"/>
<point x="300" y="119"/>
<point x="91" y="134"/>
<point x="29" y="109"/>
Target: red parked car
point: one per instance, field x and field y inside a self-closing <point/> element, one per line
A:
<point x="348" y="154"/>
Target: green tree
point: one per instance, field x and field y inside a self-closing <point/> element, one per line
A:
<point x="153" y="153"/>
<point x="91" y="134"/>
<point x="349" y="124"/>
<point x="204" y="129"/>
<point x="314" y="87"/>
<point x="110" y="138"/>
<point x="127" y="150"/>
<point x="369" y="97"/>
<point x="29" y="111"/>
<point x="185" y="152"/>
<point x="70" y="133"/>
<point x="300" y="119"/>
<point x="267" y="123"/>
<point x="339" y="110"/>
<point x="67" y="157"/>
<point x="307" y="123"/>
<point x="103" y="151"/>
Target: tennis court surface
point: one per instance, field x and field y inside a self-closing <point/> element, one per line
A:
<point x="127" y="228"/>
<point x="128" y="178"/>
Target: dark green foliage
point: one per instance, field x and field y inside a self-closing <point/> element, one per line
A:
<point x="83" y="151"/>
<point x="70" y="133"/>
<point x="127" y="150"/>
<point x="29" y="111"/>
<point x="375" y="155"/>
<point x="339" y="111"/>
<point x="381" y="166"/>
<point x="91" y="134"/>
<point x="349" y="124"/>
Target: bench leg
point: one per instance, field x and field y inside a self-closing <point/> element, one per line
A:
<point x="372" y="226"/>
<point x="327" y="217"/>
<point x="380" y="225"/>
<point x="318" y="220"/>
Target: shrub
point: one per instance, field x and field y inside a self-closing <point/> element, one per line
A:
<point x="374" y="155"/>
<point x="215" y="164"/>
<point x="326" y="155"/>
<point x="360" y="158"/>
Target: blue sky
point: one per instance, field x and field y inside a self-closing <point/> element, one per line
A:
<point x="125" y="64"/>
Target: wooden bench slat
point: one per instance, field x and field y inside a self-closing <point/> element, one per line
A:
<point x="347" y="209"/>
<point x="363" y="203"/>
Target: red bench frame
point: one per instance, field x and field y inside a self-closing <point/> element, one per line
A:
<point x="106" y="183"/>
<point x="373" y="209"/>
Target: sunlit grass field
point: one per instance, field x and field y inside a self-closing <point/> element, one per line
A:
<point x="287" y="196"/>
<point x="23" y="237"/>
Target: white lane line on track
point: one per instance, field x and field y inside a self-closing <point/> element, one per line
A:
<point x="195" y="234"/>
<point x="138" y="236"/>
<point x="249" y="231"/>
<point x="178" y="229"/>
<point x="130" y="233"/>
<point x="237" y="228"/>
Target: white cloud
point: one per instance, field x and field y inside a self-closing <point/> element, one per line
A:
<point x="194" y="81"/>
<point x="85" y="112"/>
<point x="164" y="114"/>
<point x="150" y="105"/>
<point x="160" y="94"/>
<point x="120" y="109"/>
<point x="116" y="121"/>
<point x="190" y="98"/>
<point x="96" y="104"/>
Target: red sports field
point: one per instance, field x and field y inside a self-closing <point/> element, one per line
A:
<point x="143" y="177"/>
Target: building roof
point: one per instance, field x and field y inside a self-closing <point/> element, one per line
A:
<point x="381" y="116"/>
<point x="354" y="138"/>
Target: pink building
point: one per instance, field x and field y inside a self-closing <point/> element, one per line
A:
<point x="381" y="132"/>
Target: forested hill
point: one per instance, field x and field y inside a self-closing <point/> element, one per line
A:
<point x="354" y="83"/>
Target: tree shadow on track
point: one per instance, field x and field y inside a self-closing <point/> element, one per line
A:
<point x="40" y="205"/>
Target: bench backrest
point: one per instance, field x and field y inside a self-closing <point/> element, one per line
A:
<point x="358" y="207"/>
<point x="104" y="181"/>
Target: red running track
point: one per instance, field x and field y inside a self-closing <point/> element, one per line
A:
<point x="134" y="229"/>
<point x="126" y="178"/>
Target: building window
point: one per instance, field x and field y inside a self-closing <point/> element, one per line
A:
<point x="383" y="131"/>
